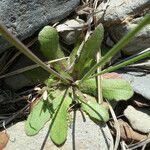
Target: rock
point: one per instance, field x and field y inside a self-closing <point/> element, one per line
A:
<point x="70" y="30"/>
<point x="139" y="81"/>
<point x="138" y="118"/>
<point x="23" y="18"/>
<point x="140" y="41"/>
<point x="122" y="16"/>
<point x="24" y="79"/>
<point x="86" y="136"/>
<point x="119" y="10"/>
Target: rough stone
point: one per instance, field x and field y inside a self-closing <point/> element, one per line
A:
<point x="27" y="78"/>
<point x="87" y="136"/>
<point x="24" y="17"/>
<point x="140" y="41"/>
<point x="138" y="118"/>
<point x="118" y="10"/>
<point x="71" y="29"/>
<point x="122" y="16"/>
<point x="139" y="81"/>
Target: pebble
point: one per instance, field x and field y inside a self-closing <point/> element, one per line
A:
<point x="138" y="118"/>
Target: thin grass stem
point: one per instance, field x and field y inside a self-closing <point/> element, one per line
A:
<point x="123" y="64"/>
<point x="125" y="40"/>
<point x="20" y="46"/>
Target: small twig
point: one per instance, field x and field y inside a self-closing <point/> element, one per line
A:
<point x="111" y="147"/>
<point x="139" y="144"/>
<point x="143" y="147"/>
<point x="10" y="62"/>
<point x="9" y="119"/>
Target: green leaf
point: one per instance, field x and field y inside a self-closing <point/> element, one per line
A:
<point x="49" y="43"/>
<point x="116" y="89"/>
<point x="59" y="126"/>
<point x="73" y="54"/>
<point x="50" y="48"/>
<point x="89" y="87"/>
<point x="88" y="52"/>
<point x="95" y="111"/>
<point x="58" y="94"/>
<point x="40" y="114"/>
<point x="112" y="89"/>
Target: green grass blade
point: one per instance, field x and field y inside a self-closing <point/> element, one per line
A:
<point x="13" y="40"/>
<point x="125" y="40"/>
<point x="123" y="64"/>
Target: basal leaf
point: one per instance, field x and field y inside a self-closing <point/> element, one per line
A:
<point x="95" y="111"/>
<point x="40" y="114"/>
<point x="89" y="87"/>
<point x="49" y="43"/>
<point x="58" y="132"/>
<point x="73" y="54"/>
<point x="58" y="94"/>
<point x="88" y="52"/>
<point x="116" y="89"/>
<point x="50" y="48"/>
<point x="112" y="89"/>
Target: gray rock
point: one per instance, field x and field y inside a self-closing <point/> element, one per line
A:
<point x="121" y="17"/>
<point x="118" y="10"/>
<point x="27" y="78"/>
<point x="24" y="17"/>
<point x="140" y="42"/>
<point x="138" y="118"/>
<point x="71" y="29"/>
<point x="139" y="81"/>
<point x="87" y="136"/>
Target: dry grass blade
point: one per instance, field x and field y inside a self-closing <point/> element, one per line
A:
<point x="13" y="40"/>
<point x="116" y="123"/>
<point x="110" y="138"/>
<point x="7" y="120"/>
<point x="139" y="144"/>
<point x="10" y="62"/>
<point x="99" y="86"/>
<point x="29" y="68"/>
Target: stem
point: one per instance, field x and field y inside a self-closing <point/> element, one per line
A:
<point x="125" y="40"/>
<point x="99" y="85"/>
<point x="13" y="40"/>
<point x="123" y="64"/>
